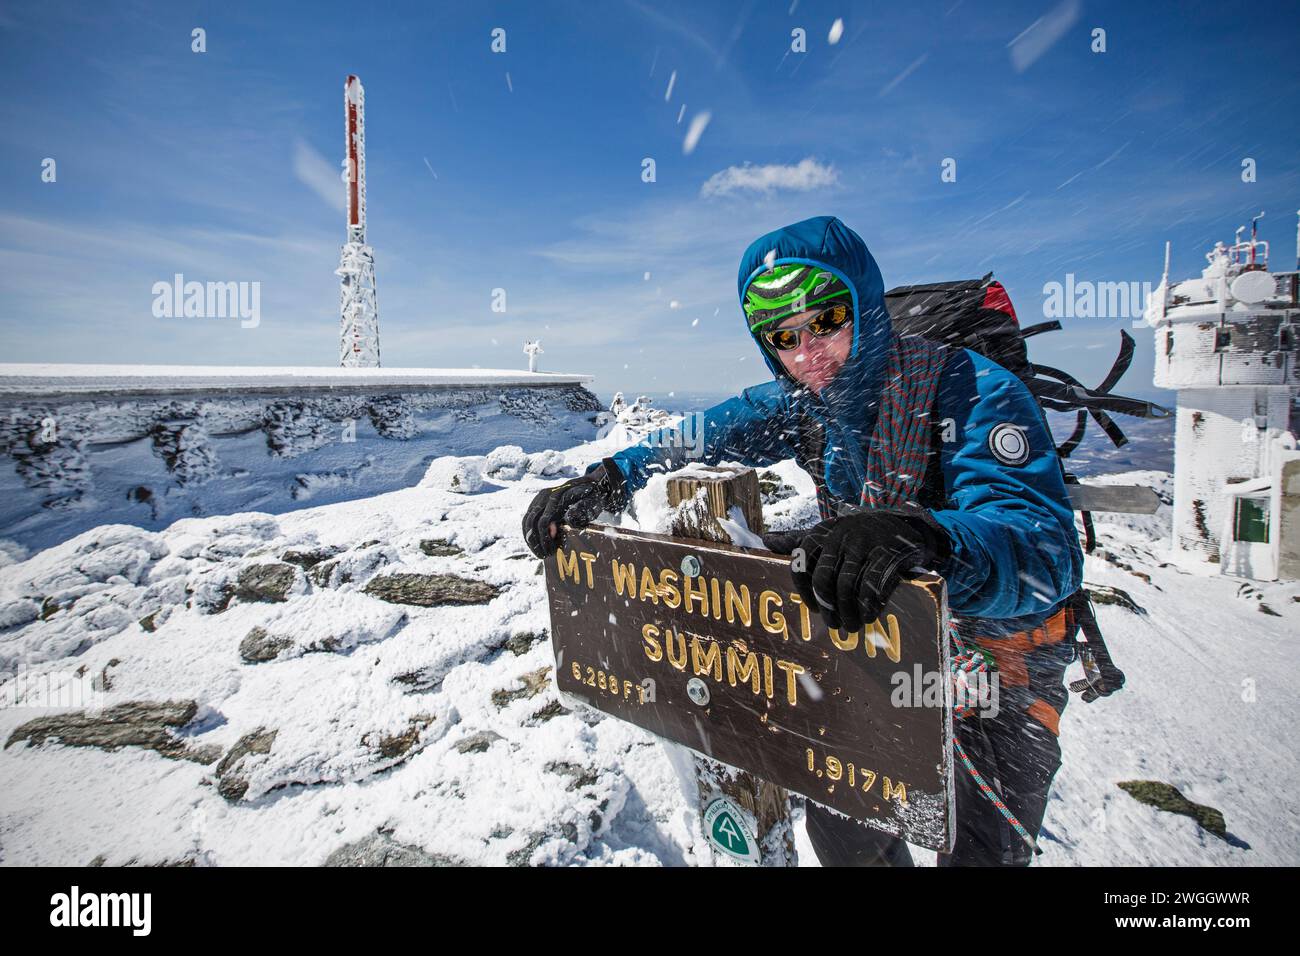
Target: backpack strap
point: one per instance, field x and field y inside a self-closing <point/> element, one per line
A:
<point x="1089" y="531"/>
<point x="1068" y="393"/>
<point x="1061" y="391"/>
<point x="1052" y="325"/>
<point x="1064" y="449"/>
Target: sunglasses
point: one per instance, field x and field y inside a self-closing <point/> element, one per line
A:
<point x="826" y="322"/>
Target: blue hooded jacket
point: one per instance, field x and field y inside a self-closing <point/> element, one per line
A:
<point x="1015" y="552"/>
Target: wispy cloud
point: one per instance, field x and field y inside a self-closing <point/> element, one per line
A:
<point x="1041" y="35"/>
<point x="805" y="175"/>
<point x="314" y="171"/>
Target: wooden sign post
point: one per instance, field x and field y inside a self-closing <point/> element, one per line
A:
<point x="708" y="645"/>
<point x="699" y="500"/>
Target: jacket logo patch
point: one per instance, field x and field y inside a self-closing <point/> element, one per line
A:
<point x="1009" y="444"/>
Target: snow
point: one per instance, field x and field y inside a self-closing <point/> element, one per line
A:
<point x="738" y="530"/>
<point x="441" y="727"/>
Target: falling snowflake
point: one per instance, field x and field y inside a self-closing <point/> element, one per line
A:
<point x="810" y="687"/>
<point x="699" y="122"/>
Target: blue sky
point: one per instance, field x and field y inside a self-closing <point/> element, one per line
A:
<point x="223" y="166"/>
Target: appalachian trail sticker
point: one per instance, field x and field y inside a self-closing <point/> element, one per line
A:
<point x="728" y="830"/>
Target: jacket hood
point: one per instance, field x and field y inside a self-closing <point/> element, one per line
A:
<point x="826" y="242"/>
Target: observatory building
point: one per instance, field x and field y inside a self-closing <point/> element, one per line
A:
<point x="1227" y="342"/>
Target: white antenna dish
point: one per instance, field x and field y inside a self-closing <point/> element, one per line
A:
<point x="1252" y="287"/>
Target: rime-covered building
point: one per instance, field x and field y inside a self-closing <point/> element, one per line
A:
<point x="1227" y="342"/>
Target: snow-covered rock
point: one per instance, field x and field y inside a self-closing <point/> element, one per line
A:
<point x="338" y="622"/>
<point x="547" y="463"/>
<point x="505" y="462"/>
<point x="462" y="476"/>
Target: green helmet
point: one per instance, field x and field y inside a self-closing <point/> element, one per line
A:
<point x="788" y="289"/>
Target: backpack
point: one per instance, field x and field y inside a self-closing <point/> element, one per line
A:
<point x="977" y="314"/>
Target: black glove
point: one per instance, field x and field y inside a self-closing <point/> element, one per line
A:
<point x="846" y="567"/>
<point x="576" y="503"/>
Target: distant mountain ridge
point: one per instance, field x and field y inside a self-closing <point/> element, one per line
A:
<point x="1150" y="446"/>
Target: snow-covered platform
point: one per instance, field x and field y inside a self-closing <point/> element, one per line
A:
<point x="83" y="445"/>
<point x="62" y="379"/>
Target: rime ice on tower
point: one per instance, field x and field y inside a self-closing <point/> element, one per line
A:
<point x="1228" y="343"/>
<point x="359" y="321"/>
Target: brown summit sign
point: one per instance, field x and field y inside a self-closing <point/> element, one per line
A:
<point x="710" y="646"/>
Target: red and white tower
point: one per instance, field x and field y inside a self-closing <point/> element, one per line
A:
<point x="359" y="307"/>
